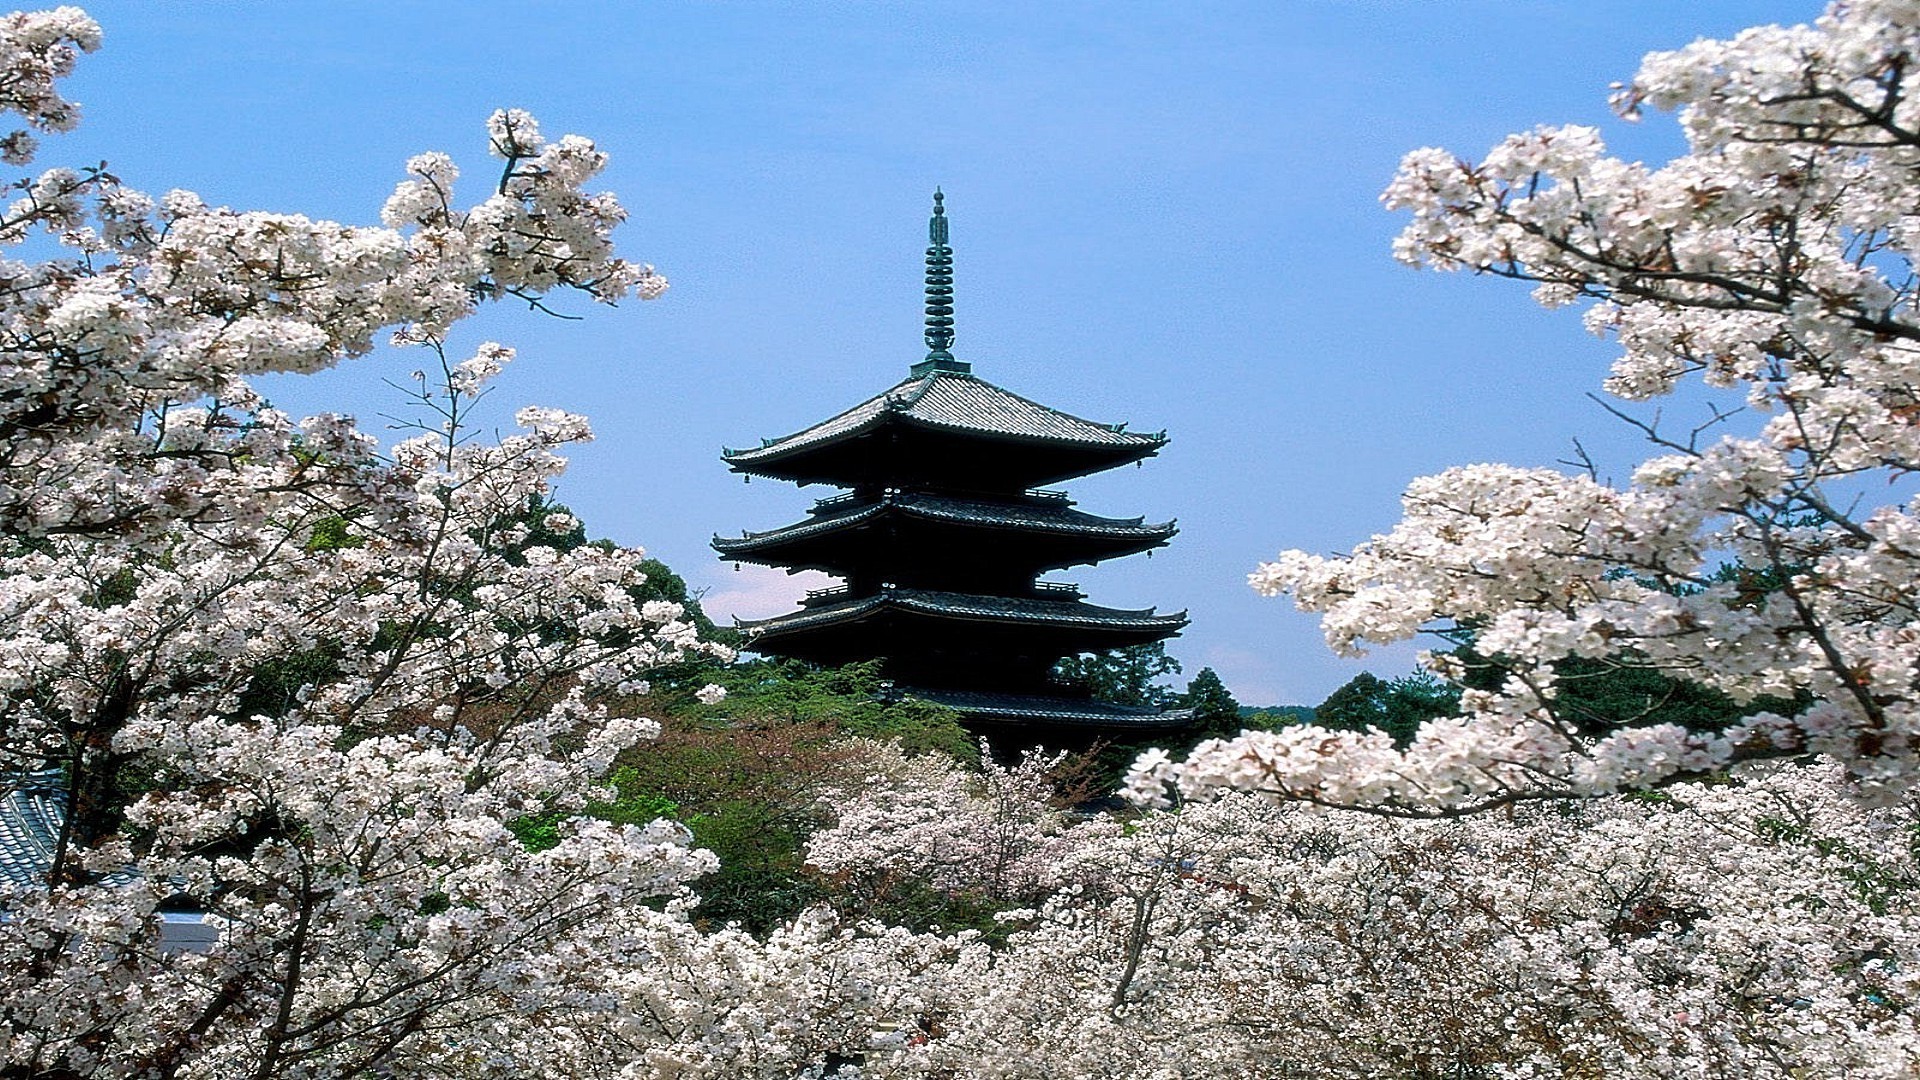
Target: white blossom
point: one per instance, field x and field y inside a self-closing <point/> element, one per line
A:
<point x="1774" y="262"/>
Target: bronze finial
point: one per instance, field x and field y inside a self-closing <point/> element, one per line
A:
<point x="939" y="292"/>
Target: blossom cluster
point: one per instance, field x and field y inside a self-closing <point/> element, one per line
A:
<point x="298" y="683"/>
<point x="1766" y="926"/>
<point x="995" y="833"/>
<point x="1774" y="263"/>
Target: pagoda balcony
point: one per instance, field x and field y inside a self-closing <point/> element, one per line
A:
<point x="840" y="502"/>
<point x="852" y="499"/>
<point x="1053" y="709"/>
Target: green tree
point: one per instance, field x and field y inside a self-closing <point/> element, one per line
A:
<point x="746" y="773"/>
<point x="1275" y="717"/>
<point x="1126" y="676"/>
<point x="1214" y="710"/>
<point x="1397" y="706"/>
<point x="1596" y="695"/>
<point x="855" y="699"/>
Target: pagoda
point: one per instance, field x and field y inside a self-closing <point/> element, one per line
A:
<point x="942" y="538"/>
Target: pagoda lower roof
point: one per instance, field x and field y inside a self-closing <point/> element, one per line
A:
<point x="1054" y="519"/>
<point x="960" y="407"/>
<point x="1045" y="708"/>
<point x="973" y="607"/>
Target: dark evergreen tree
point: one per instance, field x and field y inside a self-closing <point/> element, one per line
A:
<point x="1397" y="707"/>
<point x="1215" y="713"/>
<point x="1128" y="676"/>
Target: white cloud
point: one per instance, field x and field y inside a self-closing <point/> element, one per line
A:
<point x="1250" y="676"/>
<point x="757" y="592"/>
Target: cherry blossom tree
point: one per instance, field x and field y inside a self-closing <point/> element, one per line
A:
<point x="303" y="682"/>
<point x="1771" y="268"/>
<point x="296" y="681"/>
<point x="994" y="834"/>
<point x="1768" y="927"/>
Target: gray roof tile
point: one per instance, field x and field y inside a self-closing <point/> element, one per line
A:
<point x="32" y="807"/>
<point x="958" y="402"/>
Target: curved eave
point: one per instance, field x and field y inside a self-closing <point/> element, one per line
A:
<point x="1118" y="536"/>
<point x="962" y="607"/>
<point x="814" y="461"/>
<point x="32" y="809"/>
<point x="1052" y="521"/>
<point x="743" y="546"/>
<point x="1128" y="440"/>
<point x="946" y="406"/>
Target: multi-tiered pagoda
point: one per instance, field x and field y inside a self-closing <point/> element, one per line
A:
<point x="944" y="535"/>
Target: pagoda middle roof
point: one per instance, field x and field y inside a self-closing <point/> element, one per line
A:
<point x="1045" y="516"/>
<point x="956" y="402"/>
<point x="1009" y="609"/>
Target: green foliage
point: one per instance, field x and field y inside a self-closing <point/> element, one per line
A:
<point x="538" y="832"/>
<point x="1215" y="715"/>
<point x="919" y="907"/>
<point x="1598" y="695"/>
<point x="855" y="699"/>
<point x="273" y="687"/>
<point x="762" y="880"/>
<point x="1624" y="690"/>
<point x="746" y="774"/>
<point x="1397" y="707"/>
<point x="632" y="805"/>
<point x="1873" y="882"/>
<point x="749" y="793"/>
<point x="331" y="533"/>
<point x="1123" y="676"/>
<point x="661" y="583"/>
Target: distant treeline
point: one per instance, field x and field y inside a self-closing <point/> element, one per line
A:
<point x="1273" y="716"/>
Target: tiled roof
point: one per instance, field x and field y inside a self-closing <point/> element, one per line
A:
<point x="957" y="402"/>
<point x="32" y="806"/>
<point x="1047" y="517"/>
<point x="1062" y="710"/>
<point x="970" y="605"/>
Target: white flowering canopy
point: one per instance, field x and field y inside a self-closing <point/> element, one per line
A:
<point x="295" y="680"/>
<point x="1774" y="265"/>
<point x="307" y="684"/>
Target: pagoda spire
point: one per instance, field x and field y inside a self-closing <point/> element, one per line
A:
<point x="939" y="296"/>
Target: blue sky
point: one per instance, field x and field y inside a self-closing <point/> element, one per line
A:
<point x="1162" y="213"/>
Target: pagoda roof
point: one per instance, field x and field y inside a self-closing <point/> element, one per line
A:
<point x="950" y="402"/>
<point x="973" y="607"/>
<point x="1050" y="516"/>
<point x="980" y="705"/>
